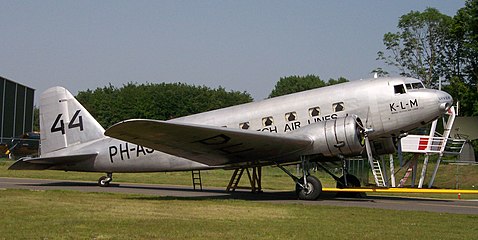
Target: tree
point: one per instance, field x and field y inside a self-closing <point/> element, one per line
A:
<point x="336" y="81"/>
<point x="380" y="72"/>
<point x="419" y="48"/>
<point x="161" y="101"/>
<point x="465" y="31"/>
<point x="293" y="84"/>
<point x="463" y="94"/>
<point x="431" y="45"/>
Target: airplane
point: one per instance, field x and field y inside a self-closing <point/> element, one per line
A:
<point x="318" y="125"/>
<point x="26" y="144"/>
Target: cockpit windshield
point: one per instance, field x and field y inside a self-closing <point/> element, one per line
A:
<point x="399" y="89"/>
<point x="415" y="85"/>
<point x="418" y="85"/>
<point x="407" y="86"/>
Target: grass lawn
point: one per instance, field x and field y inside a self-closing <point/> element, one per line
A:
<point x="272" y="178"/>
<point x="76" y="215"/>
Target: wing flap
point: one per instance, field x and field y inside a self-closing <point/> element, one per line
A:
<point x="207" y="144"/>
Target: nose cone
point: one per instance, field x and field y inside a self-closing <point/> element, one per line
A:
<point x="445" y="100"/>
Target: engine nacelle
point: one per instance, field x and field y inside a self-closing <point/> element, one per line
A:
<point x="341" y="136"/>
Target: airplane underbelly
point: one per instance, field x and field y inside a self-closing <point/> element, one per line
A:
<point x="156" y="162"/>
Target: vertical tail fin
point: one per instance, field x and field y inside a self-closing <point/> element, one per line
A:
<point x="64" y="121"/>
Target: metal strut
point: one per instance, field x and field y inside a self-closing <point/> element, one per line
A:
<point x="305" y="168"/>
<point x="294" y="178"/>
<point x="310" y="187"/>
<point x="304" y="161"/>
<point x="344" y="170"/>
<point x="337" y="179"/>
<point x="109" y="177"/>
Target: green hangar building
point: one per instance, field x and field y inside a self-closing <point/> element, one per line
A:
<point x="16" y="113"/>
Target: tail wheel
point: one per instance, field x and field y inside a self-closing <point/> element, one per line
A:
<point x="311" y="191"/>
<point x="103" y="181"/>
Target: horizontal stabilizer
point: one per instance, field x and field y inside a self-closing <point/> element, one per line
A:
<point x="208" y="144"/>
<point x="43" y="163"/>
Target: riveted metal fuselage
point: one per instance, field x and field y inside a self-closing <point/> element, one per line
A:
<point x="380" y="104"/>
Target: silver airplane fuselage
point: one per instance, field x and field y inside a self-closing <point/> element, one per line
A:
<point x="386" y="106"/>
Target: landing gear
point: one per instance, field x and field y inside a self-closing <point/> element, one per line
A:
<point x="104" y="181"/>
<point x="347" y="181"/>
<point x="312" y="188"/>
<point x="307" y="187"/>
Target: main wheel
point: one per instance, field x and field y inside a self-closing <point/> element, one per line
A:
<point x="102" y="182"/>
<point x="311" y="191"/>
<point x="352" y="181"/>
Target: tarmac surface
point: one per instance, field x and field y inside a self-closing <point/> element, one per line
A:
<point x="276" y="197"/>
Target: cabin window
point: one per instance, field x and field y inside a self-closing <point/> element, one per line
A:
<point x="314" y="112"/>
<point x="409" y="86"/>
<point x="291" y="116"/>
<point x="338" y="107"/>
<point x="244" y="125"/>
<point x="399" y="89"/>
<point x="267" y="121"/>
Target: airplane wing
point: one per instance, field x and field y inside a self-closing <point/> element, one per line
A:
<point x="207" y="144"/>
<point x="43" y="163"/>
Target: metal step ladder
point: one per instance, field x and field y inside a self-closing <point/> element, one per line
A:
<point x="377" y="173"/>
<point x="196" y="176"/>
<point x="374" y="164"/>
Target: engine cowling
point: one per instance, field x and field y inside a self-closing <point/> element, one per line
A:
<point x="332" y="138"/>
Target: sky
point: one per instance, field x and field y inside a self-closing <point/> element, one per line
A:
<point x="240" y="45"/>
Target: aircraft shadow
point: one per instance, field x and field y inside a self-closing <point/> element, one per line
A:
<point x="183" y="193"/>
<point x="66" y="184"/>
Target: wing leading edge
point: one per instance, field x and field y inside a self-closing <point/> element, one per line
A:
<point x="207" y="144"/>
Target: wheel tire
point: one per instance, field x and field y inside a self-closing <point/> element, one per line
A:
<point x="352" y="181"/>
<point x="314" y="189"/>
<point x="102" y="181"/>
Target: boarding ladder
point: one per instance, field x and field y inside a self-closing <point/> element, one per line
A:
<point x="197" y="182"/>
<point x="378" y="174"/>
<point x="374" y="165"/>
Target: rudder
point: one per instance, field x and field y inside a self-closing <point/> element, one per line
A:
<point x="64" y="121"/>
